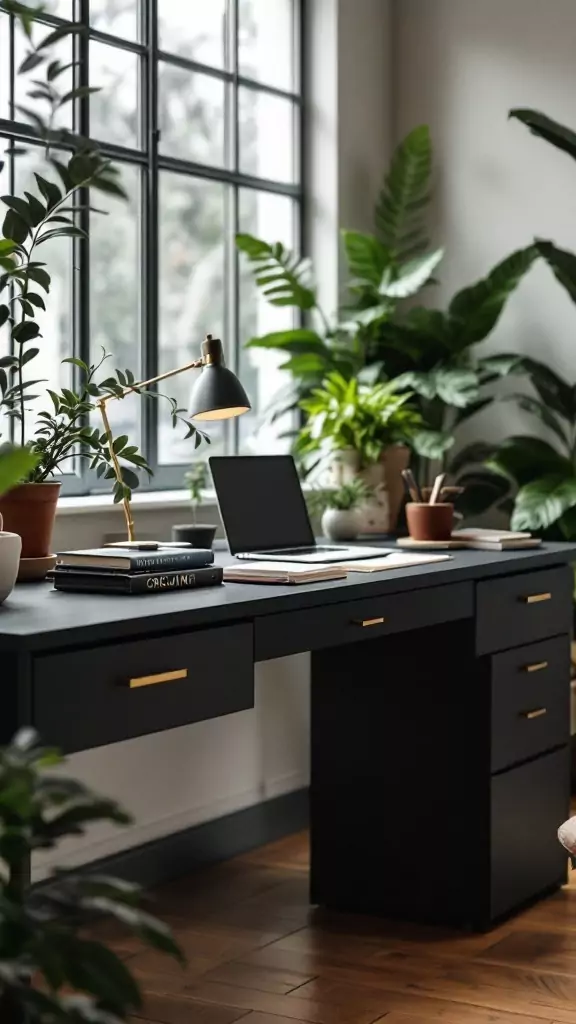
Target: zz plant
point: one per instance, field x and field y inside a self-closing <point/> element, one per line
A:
<point x="63" y="431"/>
<point x="51" y="972"/>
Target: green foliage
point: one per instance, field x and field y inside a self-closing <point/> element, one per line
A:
<point x="405" y="193"/>
<point x="350" y="495"/>
<point x="41" y="929"/>
<point x="31" y="220"/>
<point x="196" y="480"/>
<point x="16" y="464"/>
<point x="345" y="414"/>
<point x="282" y="276"/>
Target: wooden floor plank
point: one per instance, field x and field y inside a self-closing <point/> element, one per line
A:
<point x="257" y="952"/>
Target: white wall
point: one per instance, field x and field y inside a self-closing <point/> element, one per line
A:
<point x="194" y="774"/>
<point x="460" y="66"/>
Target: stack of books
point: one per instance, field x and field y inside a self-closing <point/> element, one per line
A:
<point x="117" y="570"/>
<point x="496" y="540"/>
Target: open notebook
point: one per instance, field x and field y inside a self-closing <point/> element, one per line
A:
<point x="289" y="572"/>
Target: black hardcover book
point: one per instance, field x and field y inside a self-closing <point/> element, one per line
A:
<point x="130" y="560"/>
<point x="140" y="583"/>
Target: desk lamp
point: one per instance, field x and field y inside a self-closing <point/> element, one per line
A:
<point x="216" y="394"/>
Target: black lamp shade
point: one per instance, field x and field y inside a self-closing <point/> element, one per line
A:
<point x="217" y="394"/>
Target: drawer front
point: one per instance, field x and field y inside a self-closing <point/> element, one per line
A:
<point x="315" y="628"/>
<point x="530" y="701"/>
<point x="528" y="805"/>
<point x="519" y="609"/>
<point x="91" y="697"/>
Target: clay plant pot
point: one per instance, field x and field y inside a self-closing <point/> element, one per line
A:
<point x="384" y="478"/>
<point x="30" y="510"/>
<point x="429" y="522"/>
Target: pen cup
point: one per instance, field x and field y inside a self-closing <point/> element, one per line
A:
<point x="429" y="522"/>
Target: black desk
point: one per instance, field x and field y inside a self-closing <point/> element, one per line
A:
<point x="440" y="712"/>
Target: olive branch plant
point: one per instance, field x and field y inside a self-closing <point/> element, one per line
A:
<point x="62" y="432"/>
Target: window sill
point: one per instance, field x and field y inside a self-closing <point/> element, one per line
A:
<point x="92" y="504"/>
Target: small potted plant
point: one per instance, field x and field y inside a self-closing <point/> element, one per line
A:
<point x="341" y="509"/>
<point x="51" y="969"/>
<point x="199" y="535"/>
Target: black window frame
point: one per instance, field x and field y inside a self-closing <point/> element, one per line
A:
<point x="152" y="161"/>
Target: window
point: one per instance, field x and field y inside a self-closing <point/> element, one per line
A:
<point x="200" y="107"/>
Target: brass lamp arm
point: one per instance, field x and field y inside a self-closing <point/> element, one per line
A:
<point x="136" y="387"/>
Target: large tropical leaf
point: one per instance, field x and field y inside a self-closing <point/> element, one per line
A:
<point x="411" y="276"/>
<point x="404" y="194"/>
<point x="547" y="128"/>
<point x="474" y="311"/>
<point x="542" y="502"/>
<point x="525" y="458"/>
<point x="482" y="490"/>
<point x="562" y="263"/>
<point x="474" y="454"/>
<point x="457" y="386"/>
<point x="367" y="257"/>
<point x="284" y="278"/>
<point x="297" y="340"/>
<point x="554" y="391"/>
<point x="547" y="416"/>
<point x="432" y="444"/>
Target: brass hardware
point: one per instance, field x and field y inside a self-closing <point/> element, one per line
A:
<point x="535" y="714"/>
<point x="536" y="598"/>
<point x="370" y="622"/>
<point x="536" y="667"/>
<point x="160" y="677"/>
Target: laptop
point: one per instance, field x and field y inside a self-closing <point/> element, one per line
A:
<point x="264" y="512"/>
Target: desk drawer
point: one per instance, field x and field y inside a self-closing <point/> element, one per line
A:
<point x="530" y="701"/>
<point x="514" y="610"/>
<point x="96" y="696"/>
<point x="528" y="805"/>
<point x="315" y="628"/>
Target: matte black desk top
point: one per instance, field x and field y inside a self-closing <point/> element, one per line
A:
<point x="35" y="616"/>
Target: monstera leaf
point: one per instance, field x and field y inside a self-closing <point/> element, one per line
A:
<point x="542" y="502"/>
<point x="524" y="458"/>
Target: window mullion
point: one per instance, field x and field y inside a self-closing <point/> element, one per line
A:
<point x="150" y="270"/>
<point x="81" y="246"/>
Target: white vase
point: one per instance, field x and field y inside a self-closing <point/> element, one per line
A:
<point x="10" y="548"/>
<point x="342" y="524"/>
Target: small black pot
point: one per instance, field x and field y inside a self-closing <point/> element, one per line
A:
<point x="199" y="535"/>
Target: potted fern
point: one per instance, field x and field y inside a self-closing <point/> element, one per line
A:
<point x="50" y="970"/>
<point x="341" y="509"/>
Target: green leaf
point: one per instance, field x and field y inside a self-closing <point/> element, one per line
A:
<point x="470" y="410"/>
<point x="475" y="453"/>
<point x="562" y="263"/>
<point x="29" y="354"/>
<point x="296" y="340"/>
<point x="20" y="206"/>
<point x="58" y="33"/>
<point x="25" y="331"/>
<point x="554" y="391"/>
<point x="63" y="173"/>
<point x="67" y="232"/>
<point x="49" y="190"/>
<point x="482" y="491"/>
<point x="367" y="258"/>
<point x="540" y="503"/>
<point x="36" y="300"/>
<point x="15" y="228"/>
<point x="546" y="128"/>
<point x="32" y="60"/>
<point x="432" y="444"/>
<point x="412" y="276"/>
<point x="37" y="211"/>
<point x="537" y="408"/>
<point x="305" y="364"/>
<point x="40" y="276"/>
<point x="282" y="276"/>
<point x="15" y="465"/>
<point x="475" y="311"/>
<point x="104" y="184"/>
<point x="7" y="247"/>
<point x="523" y="458"/>
<point x="457" y="386"/>
<point x="4" y="314"/>
<point x="120" y="443"/>
<point x="404" y="194"/>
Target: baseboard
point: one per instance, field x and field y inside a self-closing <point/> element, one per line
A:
<point x="201" y="845"/>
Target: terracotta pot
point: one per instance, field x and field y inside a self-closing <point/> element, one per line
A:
<point x="30" y="510"/>
<point x="429" y="522"/>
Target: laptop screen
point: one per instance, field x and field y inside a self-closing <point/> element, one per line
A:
<point x="261" y="502"/>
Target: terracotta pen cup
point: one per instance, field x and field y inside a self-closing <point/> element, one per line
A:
<point x="429" y="522"/>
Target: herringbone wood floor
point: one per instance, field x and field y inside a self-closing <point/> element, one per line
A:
<point x="257" y="952"/>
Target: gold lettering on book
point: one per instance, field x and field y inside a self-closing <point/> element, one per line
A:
<point x="183" y="579"/>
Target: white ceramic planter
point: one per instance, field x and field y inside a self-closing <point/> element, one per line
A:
<point x="342" y="524"/>
<point x="10" y="548"/>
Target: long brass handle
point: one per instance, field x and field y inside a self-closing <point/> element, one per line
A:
<point x="537" y="666"/>
<point x="160" y="677"/>
<point x="370" y="622"/>
<point x="536" y="598"/>
<point x="537" y="713"/>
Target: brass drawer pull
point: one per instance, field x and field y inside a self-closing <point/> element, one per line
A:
<point x="537" y="666"/>
<point x="370" y="622"/>
<point x="536" y="598"/>
<point x="160" y="677"/>
<point x="538" y="713"/>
